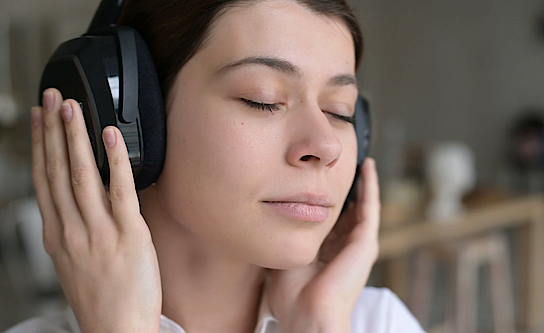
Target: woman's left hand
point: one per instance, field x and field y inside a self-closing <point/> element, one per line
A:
<point x="320" y="297"/>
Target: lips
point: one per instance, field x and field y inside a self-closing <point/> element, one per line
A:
<point x="303" y="207"/>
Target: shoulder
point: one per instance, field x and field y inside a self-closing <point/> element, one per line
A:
<point x="61" y="322"/>
<point x="379" y="310"/>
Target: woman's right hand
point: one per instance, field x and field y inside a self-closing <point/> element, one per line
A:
<point x="100" y="244"/>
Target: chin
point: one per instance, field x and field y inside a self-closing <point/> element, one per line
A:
<point x="287" y="257"/>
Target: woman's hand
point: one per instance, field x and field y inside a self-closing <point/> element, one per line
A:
<point x="99" y="242"/>
<point x="321" y="296"/>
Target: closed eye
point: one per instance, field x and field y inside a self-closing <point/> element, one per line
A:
<point x="344" y="118"/>
<point x="277" y="106"/>
<point x="262" y="106"/>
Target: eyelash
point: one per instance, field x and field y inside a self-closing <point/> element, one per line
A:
<point x="276" y="107"/>
<point x="262" y="106"/>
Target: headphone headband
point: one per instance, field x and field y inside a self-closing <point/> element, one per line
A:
<point x="107" y="13"/>
<point x="110" y="71"/>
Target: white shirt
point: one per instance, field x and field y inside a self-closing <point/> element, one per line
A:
<point x="378" y="310"/>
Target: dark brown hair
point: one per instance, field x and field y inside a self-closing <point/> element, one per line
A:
<point x="174" y="30"/>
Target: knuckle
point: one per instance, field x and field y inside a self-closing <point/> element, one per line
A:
<point x="53" y="167"/>
<point x="49" y="123"/>
<point x="138" y="234"/>
<point x="117" y="192"/>
<point x="49" y="242"/>
<point x="72" y="240"/>
<point x="117" y="160"/>
<point x="73" y="134"/>
<point x="80" y="175"/>
<point x="36" y="140"/>
<point x="103" y="238"/>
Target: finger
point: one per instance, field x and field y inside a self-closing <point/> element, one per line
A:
<point x="368" y="200"/>
<point x="85" y="179"/>
<point x="51" y="224"/>
<point x="124" y="200"/>
<point x="56" y="158"/>
<point x="352" y="265"/>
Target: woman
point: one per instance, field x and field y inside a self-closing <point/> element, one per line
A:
<point x="260" y="158"/>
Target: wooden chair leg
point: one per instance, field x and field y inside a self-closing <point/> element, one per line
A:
<point x="501" y="287"/>
<point x="423" y="286"/>
<point x="467" y="281"/>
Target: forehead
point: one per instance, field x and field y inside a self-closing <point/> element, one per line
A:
<point x="285" y="29"/>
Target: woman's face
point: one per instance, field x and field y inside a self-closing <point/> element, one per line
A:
<point x="252" y="129"/>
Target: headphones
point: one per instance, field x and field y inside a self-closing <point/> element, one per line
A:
<point x="110" y="72"/>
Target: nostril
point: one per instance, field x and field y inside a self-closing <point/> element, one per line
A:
<point x="306" y="157"/>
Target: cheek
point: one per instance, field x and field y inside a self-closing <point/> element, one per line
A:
<point x="231" y="157"/>
<point x="213" y="179"/>
<point x="213" y="165"/>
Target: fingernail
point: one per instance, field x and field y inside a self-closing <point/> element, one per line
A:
<point x="66" y="110"/>
<point x="109" y="137"/>
<point x="36" y="116"/>
<point x="48" y="100"/>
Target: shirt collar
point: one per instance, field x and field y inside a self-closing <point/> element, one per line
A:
<point x="266" y="322"/>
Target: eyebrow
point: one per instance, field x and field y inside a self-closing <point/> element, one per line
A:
<point x="343" y="80"/>
<point x="286" y="67"/>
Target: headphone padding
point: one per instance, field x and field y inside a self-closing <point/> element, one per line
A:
<point x="152" y="117"/>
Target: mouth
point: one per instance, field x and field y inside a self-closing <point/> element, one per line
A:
<point x="300" y="211"/>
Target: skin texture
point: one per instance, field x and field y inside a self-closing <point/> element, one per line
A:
<point x="228" y="157"/>
<point x="209" y="226"/>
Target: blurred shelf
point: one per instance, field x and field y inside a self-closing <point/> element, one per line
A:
<point x="403" y="239"/>
<point x="525" y="215"/>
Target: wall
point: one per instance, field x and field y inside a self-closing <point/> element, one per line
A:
<point x="37" y="28"/>
<point x="452" y="70"/>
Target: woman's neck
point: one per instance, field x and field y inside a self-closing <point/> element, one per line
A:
<point x="204" y="288"/>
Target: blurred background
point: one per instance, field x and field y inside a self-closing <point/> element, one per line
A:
<point x="457" y="103"/>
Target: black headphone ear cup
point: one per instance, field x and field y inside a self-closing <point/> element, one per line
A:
<point x="152" y="117"/>
<point x="362" y="131"/>
<point x="362" y="128"/>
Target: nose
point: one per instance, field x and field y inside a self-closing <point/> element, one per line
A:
<point x="313" y="140"/>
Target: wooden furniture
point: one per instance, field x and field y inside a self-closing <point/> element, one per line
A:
<point x="464" y="259"/>
<point x="524" y="215"/>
